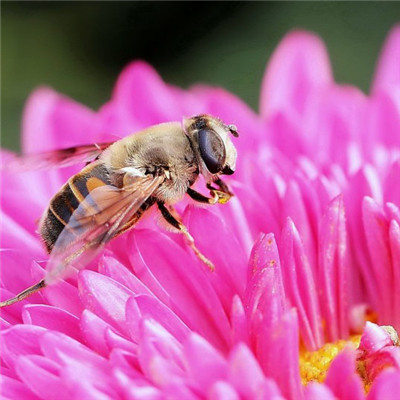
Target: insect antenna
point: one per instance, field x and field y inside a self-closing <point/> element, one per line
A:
<point x="25" y="293"/>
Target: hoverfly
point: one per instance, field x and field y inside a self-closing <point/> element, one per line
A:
<point x="156" y="166"/>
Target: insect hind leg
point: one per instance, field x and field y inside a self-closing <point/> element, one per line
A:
<point x="25" y="293"/>
<point x="174" y="221"/>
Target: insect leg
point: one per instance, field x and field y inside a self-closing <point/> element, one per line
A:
<point x="25" y="293"/>
<point x="223" y="187"/>
<point x="174" y="221"/>
<point x="218" y="196"/>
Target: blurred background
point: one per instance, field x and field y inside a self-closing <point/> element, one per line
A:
<point x="78" y="48"/>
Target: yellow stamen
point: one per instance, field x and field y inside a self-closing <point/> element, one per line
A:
<point x="314" y="365"/>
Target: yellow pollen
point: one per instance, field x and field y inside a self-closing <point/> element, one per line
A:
<point x="314" y="365"/>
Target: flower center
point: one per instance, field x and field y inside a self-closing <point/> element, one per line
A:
<point x="314" y="365"/>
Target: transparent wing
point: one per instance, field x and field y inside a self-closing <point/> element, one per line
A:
<point x="95" y="222"/>
<point x="57" y="158"/>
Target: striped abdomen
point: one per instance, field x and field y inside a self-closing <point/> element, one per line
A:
<point x="67" y="200"/>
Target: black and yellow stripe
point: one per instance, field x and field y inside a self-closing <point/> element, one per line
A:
<point x="67" y="200"/>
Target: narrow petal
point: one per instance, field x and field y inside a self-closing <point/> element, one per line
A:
<point x="239" y="322"/>
<point x="295" y="207"/>
<point x="52" y="121"/>
<point x="376" y="231"/>
<point x="167" y="269"/>
<point x="245" y="374"/>
<point x="279" y="346"/>
<point x="333" y="279"/>
<point x="151" y="308"/>
<point x="264" y="277"/>
<point x="135" y="94"/>
<point x="394" y="238"/>
<point x="222" y="390"/>
<point x="111" y="267"/>
<point x="52" y="318"/>
<point x="316" y="391"/>
<point x="205" y="364"/>
<point x="105" y="297"/>
<point x="42" y="377"/>
<point x="387" y="75"/>
<point x="342" y="377"/>
<point x="227" y="255"/>
<point x="300" y="286"/>
<point x="18" y="341"/>
<point x="299" y="66"/>
<point x="155" y="343"/>
<point x="94" y="331"/>
<point x="386" y="385"/>
<point x="15" y="389"/>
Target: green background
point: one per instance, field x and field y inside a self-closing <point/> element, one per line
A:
<point x="79" y="48"/>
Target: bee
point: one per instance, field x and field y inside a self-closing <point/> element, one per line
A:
<point x="122" y="180"/>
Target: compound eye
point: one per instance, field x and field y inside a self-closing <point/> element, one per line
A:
<point x="212" y="150"/>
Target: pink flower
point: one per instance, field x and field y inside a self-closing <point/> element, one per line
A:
<point x="318" y="170"/>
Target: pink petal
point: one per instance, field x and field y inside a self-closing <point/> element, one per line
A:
<point x="394" y="239"/>
<point x="239" y="322"/>
<point x="317" y="391"/>
<point x="230" y="261"/>
<point x="196" y="304"/>
<point x="333" y="280"/>
<point x="20" y="340"/>
<point x="278" y="345"/>
<point x="386" y="385"/>
<point x="126" y="361"/>
<point x="205" y="364"/>
<point x="41" y="376"/>
<point x="387" y="75"/>
<point x="245" y="373"/>
<point x="151" y="308"/>
<point x="116" y="341"/>
<point x="383" y="122"/>
<point x="52" y="121"/>
<point x="62" y="294"/>
<point x="269" y="391"/>
<point x="112" y="268"/>
<point x="134" y="94"/>
<point x="14" y="389"/>
<point x="300" y="286"/>
<point x="392" y="190"/>
<point x="67" y="351"/>
<point x="342" y="377"/>
<point x="376" y="231"/>
<point x="136" y="392"/>
<point x="52" y="318"/>
<point x="155" y="342"/>
<point x="222" y="390"/>
<point x="389" y="356"/>
<point x="18" y="238"/>
<point x="294" y="206"/>
<point x="179" y="391"/>
<point x="264" y="278"/>
<point x="374" y="338"/>
<point x="16" y="271"/>
<point x="105" y="297"/>
<point x="94" y="330"/>
<point x="298" y="67"/>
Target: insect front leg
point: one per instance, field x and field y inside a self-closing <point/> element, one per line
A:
<point x="172" y="218"/>
<point x="221" y="195"/>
